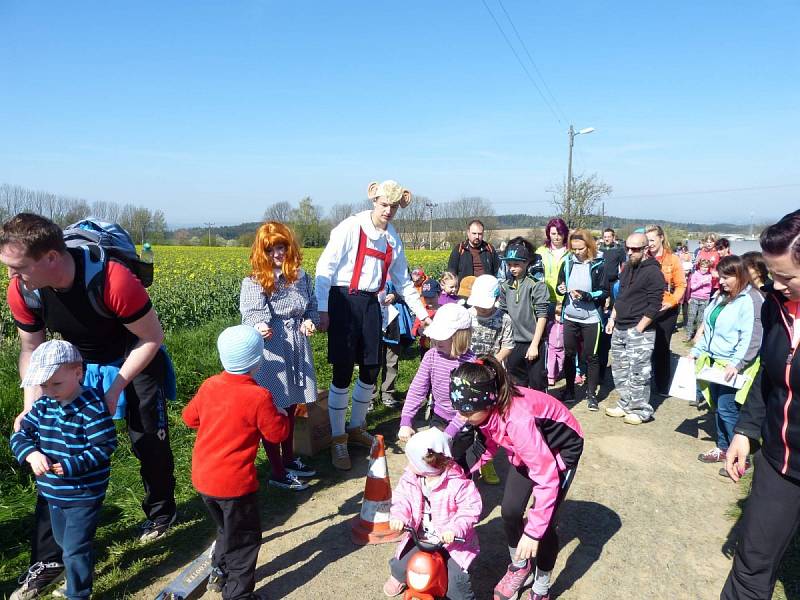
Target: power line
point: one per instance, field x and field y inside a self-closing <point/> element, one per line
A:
<point x="698" y="192"/>
<point x="667" y="194"/>
<point x="521" y="64"/>
<point x="530" y="58"/>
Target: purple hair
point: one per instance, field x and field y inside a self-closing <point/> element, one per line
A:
<point x="560" y="226"/>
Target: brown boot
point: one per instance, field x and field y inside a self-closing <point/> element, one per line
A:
<point x="358" y="436"/>
<point x="339" y="455"/>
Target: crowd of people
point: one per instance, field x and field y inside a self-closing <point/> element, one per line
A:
<point x="497" y="330"/>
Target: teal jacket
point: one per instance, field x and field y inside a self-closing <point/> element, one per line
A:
<point x="600" y="287"/>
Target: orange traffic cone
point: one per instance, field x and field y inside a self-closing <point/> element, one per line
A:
<point x="372" y="525"/>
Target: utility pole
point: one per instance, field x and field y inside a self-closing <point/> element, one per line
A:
<point x="568" y="196"/>
<point x="602" y="216"/>
<point x="430" y="206"/>
<point x="209" y="225"/>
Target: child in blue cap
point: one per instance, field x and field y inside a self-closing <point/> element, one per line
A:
<point x="232" y="413"/>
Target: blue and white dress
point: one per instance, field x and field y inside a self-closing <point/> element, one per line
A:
<point x="288" y="367"/>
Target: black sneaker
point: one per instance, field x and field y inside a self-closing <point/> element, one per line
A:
<point x="37" y="580"/>
<point x="392" y="402"/>
<point x="568" y="395"/>
<point x="591" y="403"/>
<point x="152" y="530"/>
<point x="289" y="482"/>
<point x="299" y="469"/>
<point x="216" y="581"/>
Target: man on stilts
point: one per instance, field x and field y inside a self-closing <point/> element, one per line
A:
<point x="363" y="252"/>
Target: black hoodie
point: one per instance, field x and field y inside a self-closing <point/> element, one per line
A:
<point x="772" y="409"/>
<point x="641" y="290"/>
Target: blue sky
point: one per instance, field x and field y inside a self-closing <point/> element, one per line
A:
<point x="211" y="111"/>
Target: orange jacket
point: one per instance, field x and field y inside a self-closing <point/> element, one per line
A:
<point x="672" y="269"/>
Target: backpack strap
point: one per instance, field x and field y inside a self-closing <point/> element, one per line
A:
<point x="94" y="277"/>
<point x="32" y="298"/>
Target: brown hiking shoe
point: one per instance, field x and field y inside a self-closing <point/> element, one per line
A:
<point x="339" y="455"/>
<point x="358" y="436"/>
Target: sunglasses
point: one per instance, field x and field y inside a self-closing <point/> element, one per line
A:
<point x="635" y="248"/>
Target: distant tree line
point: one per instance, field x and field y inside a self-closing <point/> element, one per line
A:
<point x="143" y="224"/>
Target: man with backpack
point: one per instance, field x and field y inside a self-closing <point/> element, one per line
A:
<point x="473" y="256"/>
<point x="110" y="318"/>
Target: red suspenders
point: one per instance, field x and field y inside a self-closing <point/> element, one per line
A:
<point x="363" y="251"/>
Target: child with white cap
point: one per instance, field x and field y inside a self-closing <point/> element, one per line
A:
<point x="67" y="438"/>
<point x="492" y="333"/>
<point x="232" y="414"/>
<point x="436" y="498"/>
<point x="450" y="334"/>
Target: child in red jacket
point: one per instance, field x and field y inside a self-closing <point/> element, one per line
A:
<point x="232" y="414"/>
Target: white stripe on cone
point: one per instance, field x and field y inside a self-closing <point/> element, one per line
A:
<point x="378" y="468"/>
<point x="375" y="512"/>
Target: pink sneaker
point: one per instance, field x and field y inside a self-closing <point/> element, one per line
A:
<point x="579" y="379"/>
<point x="512" y="582"/>
<point x="392" y="587"/>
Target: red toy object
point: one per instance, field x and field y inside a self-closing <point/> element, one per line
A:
<point x="426" y="572"/>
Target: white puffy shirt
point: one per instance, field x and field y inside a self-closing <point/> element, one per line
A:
<point x="336" y="263"/>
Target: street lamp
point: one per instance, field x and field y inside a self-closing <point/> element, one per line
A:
<point x="430" y="206"/>
<point x="568" y="197"/>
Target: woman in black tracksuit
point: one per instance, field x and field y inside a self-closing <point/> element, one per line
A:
<point x="771" y="414"/>
<point x="583" y="282"/>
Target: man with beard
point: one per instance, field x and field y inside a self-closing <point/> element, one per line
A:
<point x="473" y="256"/>
<point x="632" y="337"/>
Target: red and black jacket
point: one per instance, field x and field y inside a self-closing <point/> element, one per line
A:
<point x="772" y="410"/>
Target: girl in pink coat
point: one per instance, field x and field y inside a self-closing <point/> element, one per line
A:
<point x="435" y="497"/>
<point x="543" y="442"/>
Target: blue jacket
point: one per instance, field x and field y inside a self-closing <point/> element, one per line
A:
<point x="736" y="335"/>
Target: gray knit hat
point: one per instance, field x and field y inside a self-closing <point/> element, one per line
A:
<point x="240" y="348"/>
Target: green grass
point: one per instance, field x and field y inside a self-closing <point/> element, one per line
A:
<point x="123" y="566"/>
<point x="788" y="585"/>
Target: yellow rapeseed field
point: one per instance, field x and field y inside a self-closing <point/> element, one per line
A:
<point x="194" y="284"/>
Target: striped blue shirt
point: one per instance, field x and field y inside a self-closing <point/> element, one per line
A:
<point x="81" y="436"/>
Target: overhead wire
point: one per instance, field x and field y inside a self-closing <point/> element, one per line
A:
<point x="530" y="58"/>
<point x="667" y="194"/>
<point x="521" y="63"/>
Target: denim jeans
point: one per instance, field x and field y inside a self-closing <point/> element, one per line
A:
<point x="724" y="398"/>
<point x="73" y="529"/>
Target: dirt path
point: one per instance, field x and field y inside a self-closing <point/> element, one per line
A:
<point x="644" y="519"/>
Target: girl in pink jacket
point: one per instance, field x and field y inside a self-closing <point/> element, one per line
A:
<point x="543" y="442"/>
<point x="435" y="497"/>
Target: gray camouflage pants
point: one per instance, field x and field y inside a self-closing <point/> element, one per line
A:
<point x="630" y="365"/>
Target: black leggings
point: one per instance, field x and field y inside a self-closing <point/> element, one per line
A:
<point x="590" y="335"/>
<point x="343" y="374"/>
<point x="516" y="495"/>
<point x="664" y="325"/>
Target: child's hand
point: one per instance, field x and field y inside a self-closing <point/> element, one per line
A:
<point x="396" y="525"/>
<point x="57" y="469"/>
<point x="38" y="462"/>
<point x="448" y="537"/>
<point x="405" y="433"/>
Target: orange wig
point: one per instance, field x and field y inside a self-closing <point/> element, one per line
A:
<point x="269" y="235"/>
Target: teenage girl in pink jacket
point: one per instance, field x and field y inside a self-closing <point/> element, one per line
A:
<point x="543" y="442"/>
